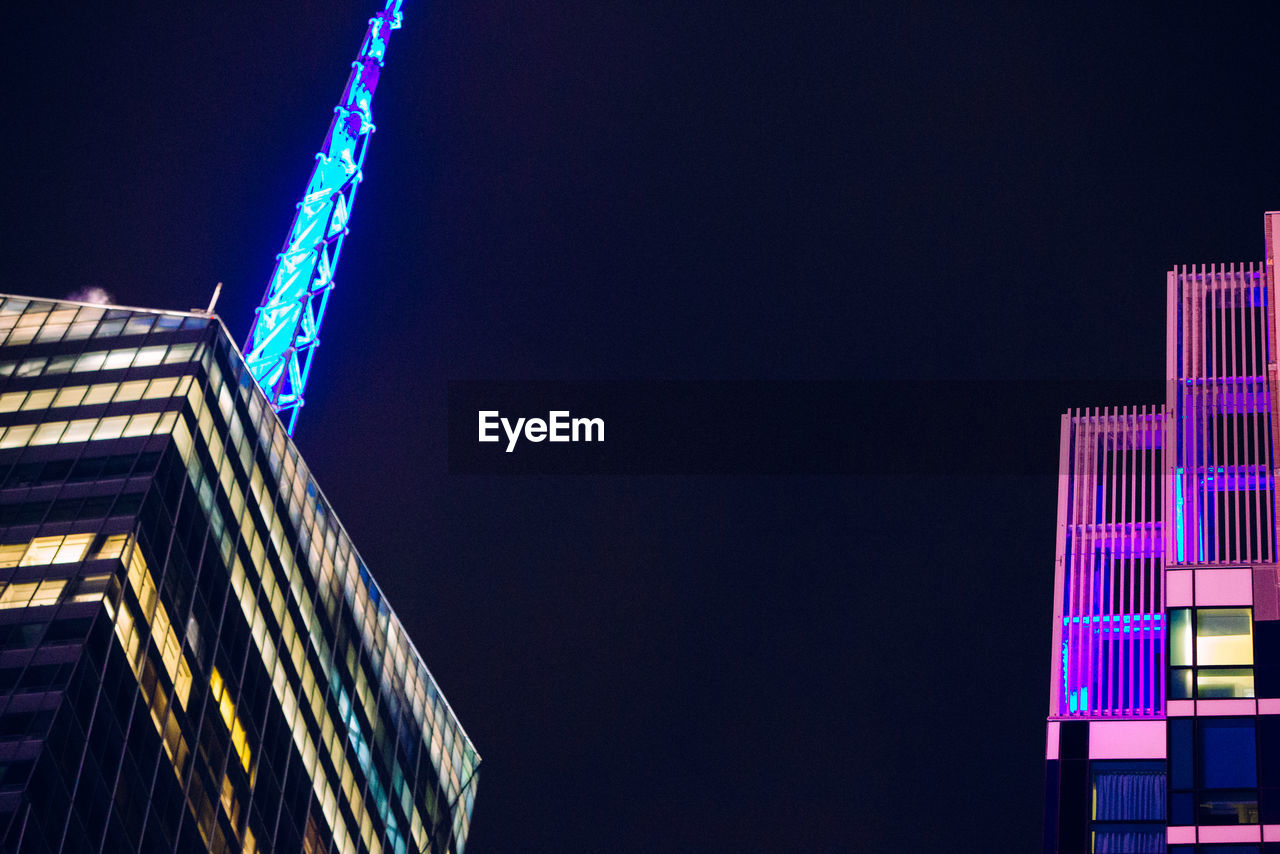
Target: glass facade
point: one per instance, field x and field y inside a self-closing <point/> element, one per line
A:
<point x="192" y="654"/>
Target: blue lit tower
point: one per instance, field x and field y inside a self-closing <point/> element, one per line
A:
<point x="286" y="326"/>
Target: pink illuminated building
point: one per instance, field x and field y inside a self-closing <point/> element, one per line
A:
<point x="1164" y="699"/>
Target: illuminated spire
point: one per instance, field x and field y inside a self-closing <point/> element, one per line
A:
<point x="286" y="325"/>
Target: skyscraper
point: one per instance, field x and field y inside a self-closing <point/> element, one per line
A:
<point x="192" y="654"/>
<point x="1164" y="696"/>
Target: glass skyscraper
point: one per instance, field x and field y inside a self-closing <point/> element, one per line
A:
<point x="192" y="654"/>
<point x="1164" y="692"/>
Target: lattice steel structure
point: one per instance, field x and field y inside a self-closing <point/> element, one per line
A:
<point x="286" y="326"/>
<point x="193" y="656"/>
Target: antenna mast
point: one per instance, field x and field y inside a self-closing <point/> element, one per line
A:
<point x="286" y="326"/>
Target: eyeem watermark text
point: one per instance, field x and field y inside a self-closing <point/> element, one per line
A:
<point x="557" y="427"/>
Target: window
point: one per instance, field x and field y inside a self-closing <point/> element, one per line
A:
<point x="1210" y="653"/>
<point x="1128" y="806"/>
<point x="1213" y="769"/>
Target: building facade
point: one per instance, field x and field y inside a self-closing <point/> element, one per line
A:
<point x="192" y="654"/>
<point x="1164" y="699"/>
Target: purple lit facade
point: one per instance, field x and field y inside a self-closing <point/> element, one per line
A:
<point x="1164" y="703"/>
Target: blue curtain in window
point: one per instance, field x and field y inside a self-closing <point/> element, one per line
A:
<point x="1129" y="841"/>
<point x="1129" y="796"/>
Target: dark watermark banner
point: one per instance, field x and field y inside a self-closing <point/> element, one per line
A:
<point x="725" y="427"/>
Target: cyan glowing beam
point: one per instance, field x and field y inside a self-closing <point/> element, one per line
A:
<point x="286" y="326"/>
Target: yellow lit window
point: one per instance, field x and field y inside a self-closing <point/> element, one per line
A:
<point x="79" y="430"/>
<point x="49" y="433"/>
<point x="11" y="554"/>
<point x="70" y="396"/>
<point x="33" y="318"/>
<point x="18" y="595"/>
<point x="130" y="391"/>
<point x="225" y="708"/>
<point x="112" y="547"/>
<point x="216" y="685"/>
<point x="164" y="426"/>
<point x="49" y="591"/>
<point x="73" y="548"/>
<point x="241" y="743"/>
<point x="41" y="551"/>
<point x="128" y="635"/>
<point x="38" y="399"/>
<point x="182" y="682"/>
<point x="142" y="424"/>
<point x="1224" y="636"/>
<point x="172" y="649"/>
<point x="111" y="428"/>
<point x="160" y="388"/>
<point x="100" y="393"/>
<point x="91" y="588"/>
<point x="181" y="439"/>
<point x="10" y="401"/>
<point x="17" y="437"/>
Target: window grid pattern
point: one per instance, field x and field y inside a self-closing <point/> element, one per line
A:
<point x="389" y="766"/>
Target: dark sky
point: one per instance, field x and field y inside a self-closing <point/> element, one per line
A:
<point x="683" y="190"/>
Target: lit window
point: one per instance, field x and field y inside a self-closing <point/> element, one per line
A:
<point x="1224" y="636"/>
<point x="48" y="592"/>
<point x="109" y="329"/>
<point x="70" y="396"/>
<point x="131" y="391"/>
<point x="165" y="425"/>
<point x="90" y="361"/>
<point x="138" y="324"/>
<point x="21" y="335"/>
<point x="142" y="424"/>
<point x="51" y="332"/>
<point x="60" y="365"/>
<point x="11" y="554"/>
<point x="81" y="330"/>
<point x="79" y="430"/>
<point x="41" y="551"/>
<point x="111" y="428"/>
<point x="91" y="588"/>
<point x="1210" y="650"/>
<point x="38" y="399"/>
<point x="119" y="358"/>
<point x="100" y="393"/>
<point x="49" y="433"/>
<point x="160" y="388"/>
<point x="112" y="547"/>
<point x="150" y="356"/>
<point x="11" y="401"/>
<point x="73" y="548"/>
<point x="18" y="595"/>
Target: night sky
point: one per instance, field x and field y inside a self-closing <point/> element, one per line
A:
<point x="700" y="191"/>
